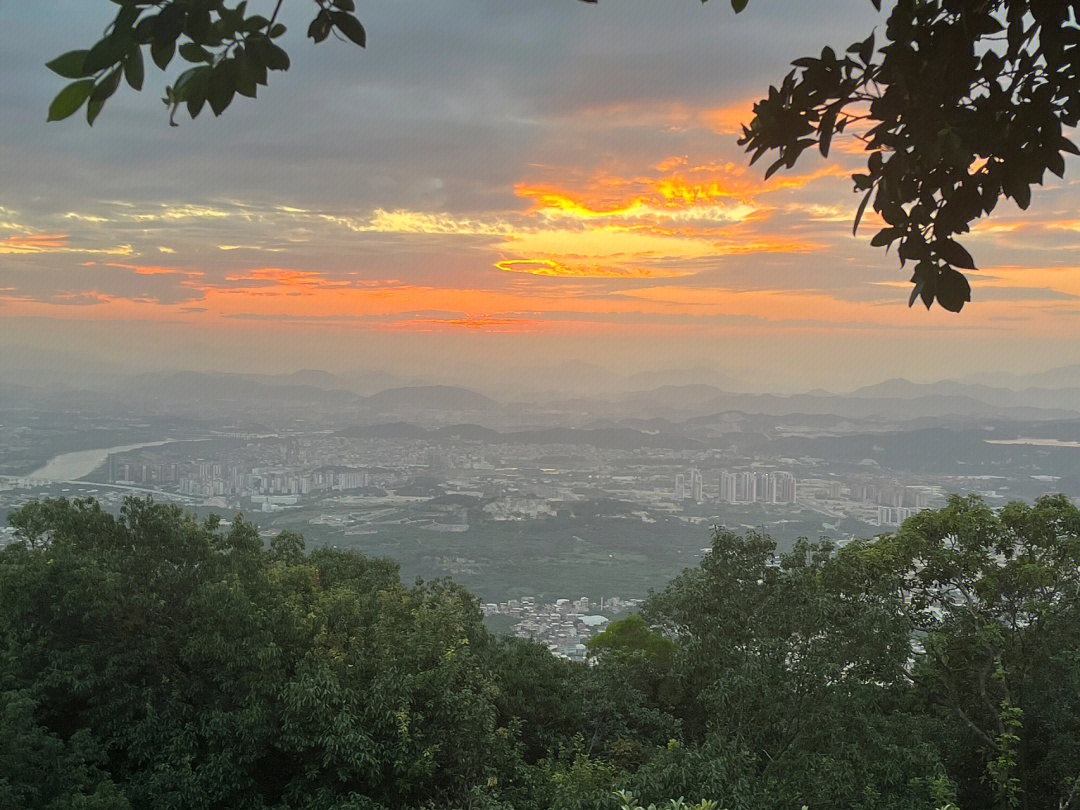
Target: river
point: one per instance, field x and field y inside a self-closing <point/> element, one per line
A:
<point x="1035" y="442"/>
<point x="73" y="466"/>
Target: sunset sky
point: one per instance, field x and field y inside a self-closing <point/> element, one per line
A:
<point x="496" y="184"/>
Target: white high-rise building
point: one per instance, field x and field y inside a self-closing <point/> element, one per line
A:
<point x="727" y="487"/>
<point x="746" y="487"/>
<point x="696" y="485"/>
<point x="785" y="489"/>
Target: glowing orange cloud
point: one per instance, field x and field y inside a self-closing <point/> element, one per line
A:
<point x="148" y="269"/>
<point x="52" y="243"/>
<point x="551" y="199"/>
<point x="290" y="280"/>
<point x="33" y="242"/>
<point x="729" y="120"/>
<point x="283" y="298"/>
<point x="1026" y="224"/>
<point x="663" y="191"/>
<point x="647" y="224"/>
<point x="551" y="267"/>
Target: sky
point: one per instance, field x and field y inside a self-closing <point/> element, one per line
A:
<point x="491" y="184"/>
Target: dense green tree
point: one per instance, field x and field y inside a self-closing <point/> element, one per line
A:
<point x="170" y="663"/>
<point x="39" y="769"/>
<point x="150" y="659"/>
<point x="994" y="601"/>
<point x="791" y="670"/>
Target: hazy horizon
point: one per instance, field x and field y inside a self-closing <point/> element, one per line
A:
<point x="515" y="376"/>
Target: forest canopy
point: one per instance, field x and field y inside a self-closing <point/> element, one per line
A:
<point x="152" y="659"/>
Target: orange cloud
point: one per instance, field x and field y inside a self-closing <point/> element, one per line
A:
<point x="551" y="267"/>
<point x="478" y="323"/>
<point x="665" y="190"/>
<point x="148" y="269"/>
<point x="53" y="243"/>
<point x="728" y="120"/>
<point x="33" y="242"/>
<point x="655" y="223"/>
<point x="291" y="280"/>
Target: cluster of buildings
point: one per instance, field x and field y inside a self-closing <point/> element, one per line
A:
<point x="878" y="503"/>
<point x="757" y="487"/>
<point x="505" y="482"/>
<point x="563" y="626"/>
<point x="212" y="478"/>
<point x="738" y="487"/>
<point x="875" y="501"/>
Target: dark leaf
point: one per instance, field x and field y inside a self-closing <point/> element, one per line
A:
<point x="954" y="253"/>
<point x="194" y="53"/>
<point x="915" y="293"/>
<point x="191" y="88"/>
<point x="93" y="107"/>
<point x="1021" y="193"/>
<point x="862" y="207"/>
<point x="69" y="99"/>
<point x="133" y="68"/>
<point x="69" y="65"/>
<point x="953" y="290"/>
<point x="98" y="57"/>
<point x="924" y="278"/>
<point x="320" y="27"/>
<point x="825" y="132"/>
<point x="884" y="237"/>
<point x="245" y="75"/>
<point x="866" y="49"/>
<point x="1055" y="163"/>
<point x="769" y="172"/>
<point x="144" y="31"/>
<point x="912" y="246"/>
<point x="927" y="294"/>
<point x="255" y="23"/>
<point x="276" y="58"/>
<point x="107" y="86"/>
<point x="892" y="212"/>
<point x="349" y="26"/>
<point x="221" y="87"/>
<point x="161" y="51"/>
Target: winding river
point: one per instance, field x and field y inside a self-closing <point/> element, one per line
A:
<point x="73" y="466"/>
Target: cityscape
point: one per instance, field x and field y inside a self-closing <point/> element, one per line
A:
<point x="537" y="514"/>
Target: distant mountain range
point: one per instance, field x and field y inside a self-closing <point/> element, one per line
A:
<point x="435" y="398"/>
<point x="1060" y="377"/>
<point x="346" y="398"/>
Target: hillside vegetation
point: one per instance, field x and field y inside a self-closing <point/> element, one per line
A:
<point x="151" y="660"/>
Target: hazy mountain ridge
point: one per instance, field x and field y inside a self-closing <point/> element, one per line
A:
<point x="335" y="398"/>
<point x="1048" y="398"/>
<point x="624" y="438"/>
<point x="429" y="398"/>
